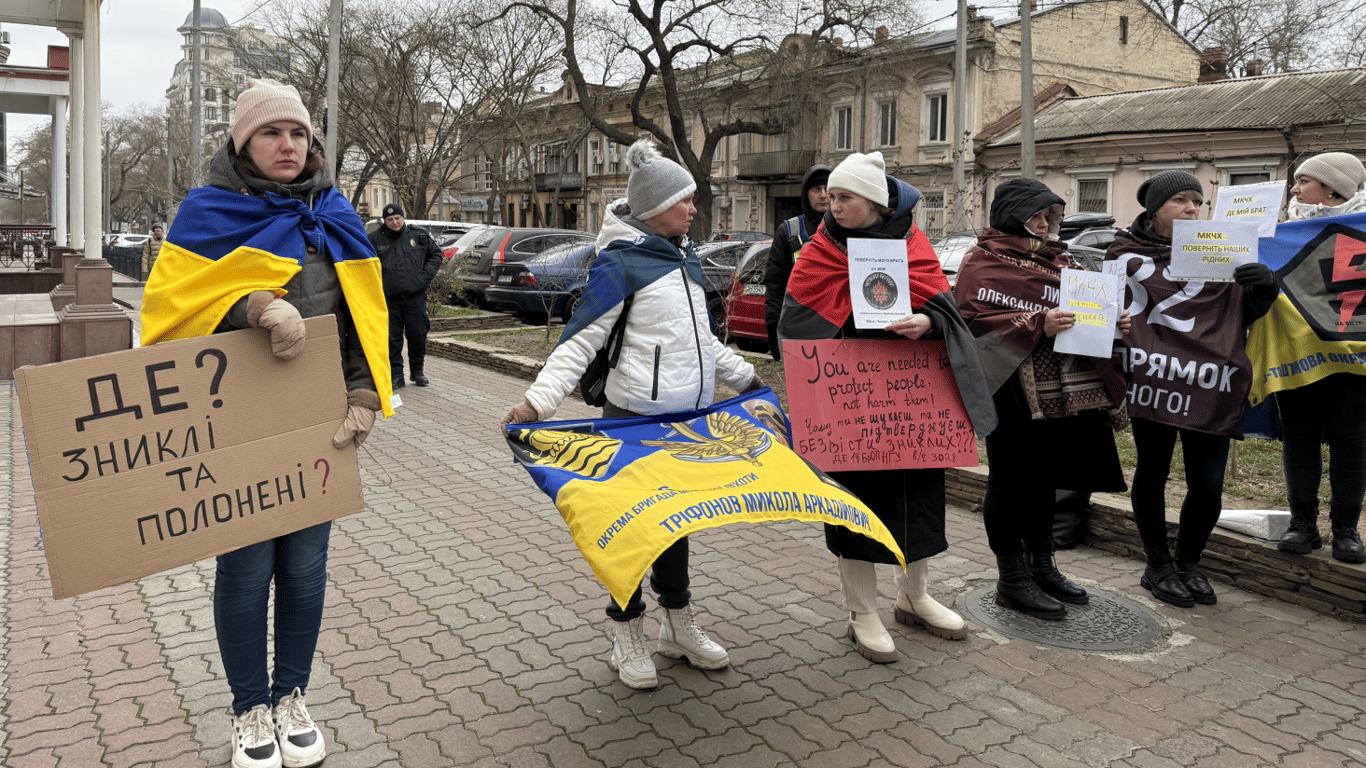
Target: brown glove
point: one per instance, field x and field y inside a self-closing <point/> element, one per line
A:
<point x="521" y="413"/>
<point x="754" y="383"/>
<point x="280" y="317"/>
<point x="361" y="405"/>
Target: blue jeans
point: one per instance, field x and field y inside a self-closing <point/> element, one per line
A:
<point x="297" y="562"/>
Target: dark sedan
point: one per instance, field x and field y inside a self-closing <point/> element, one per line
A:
<point x="548" y="283"/>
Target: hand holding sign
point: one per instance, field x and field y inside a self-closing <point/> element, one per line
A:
<point x="1093" y="300"/>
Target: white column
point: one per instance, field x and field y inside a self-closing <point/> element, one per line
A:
<point x="57" y="184"/>
<point x="91" y="127"/>
<point x="77" y="197"/>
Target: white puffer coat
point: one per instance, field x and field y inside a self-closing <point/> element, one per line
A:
<point x="670" y="359"/>
<point x="1296" y="211"/>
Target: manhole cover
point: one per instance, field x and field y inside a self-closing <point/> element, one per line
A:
<point x="1107" y="623"/>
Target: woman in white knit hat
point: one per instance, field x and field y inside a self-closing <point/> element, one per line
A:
<point x="867" y="203"/>
<point x="268" y="242"/>
<point x="1329" y="410"/>
<point x="669" y="363"/>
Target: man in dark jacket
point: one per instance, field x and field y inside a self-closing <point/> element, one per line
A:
<point x="410" y="260"/>
<point x="788" y="240"/>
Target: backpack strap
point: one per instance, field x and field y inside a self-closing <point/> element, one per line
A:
<point x="796" y="232"/>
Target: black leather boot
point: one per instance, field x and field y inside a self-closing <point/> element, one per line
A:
<point x="1044" y="570"/>
<point x="1195" y="583"/>
<point x="1346" y="540"/>
<point x="1166" y="585"/>
<point x="1303" y="535"/>
<point x="1016" y="589"/>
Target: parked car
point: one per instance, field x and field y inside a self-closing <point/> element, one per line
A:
<point x="951" y="249"/>
<point x="452" y="246"/>
<point x="1094" y="230"/>
<point x="750" y="237"/>
<point x="743" y="309"/>
<point x="548" y="283"/>
<point x="1094" y="238"/>
<point x="504" y="245"/>
<point x="719" y="260"/>
<point x="437" y="229"/>
<point x="1087" y="258"/>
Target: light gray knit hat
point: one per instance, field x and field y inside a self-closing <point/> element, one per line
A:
<point x="1338" y="171"/>
<point x="656" y="182"/>
<point x="864" y="175"/>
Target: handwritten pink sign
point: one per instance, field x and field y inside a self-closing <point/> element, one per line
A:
<point x="876" y="404"/>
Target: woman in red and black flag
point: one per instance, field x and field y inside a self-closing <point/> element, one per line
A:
<point x="867" y="203"/>
<point x="1190" y="375"/>
<point x="1056" y="410"/>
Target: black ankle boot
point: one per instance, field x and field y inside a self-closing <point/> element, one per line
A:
<point x="1346" y="540"/>
<point x="1195" y="583"/>
<point x="1166" y="585"/>
<point x="1044" y="570"/>
<point x="1016" y="589"/>
<point x="1303" y="535"/>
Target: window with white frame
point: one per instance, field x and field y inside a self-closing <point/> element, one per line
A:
<point x="930" y="213"/>
<point x="1091" y="188"/>
<point x="843" y="129"/>
<point x="595" y="157"/>
<point x="936" y="118"/>
<point x="886" y="123"/>
<point x="210" y="114"/>
<point x="483" y="172"/>
<point x="1247" y="172"/>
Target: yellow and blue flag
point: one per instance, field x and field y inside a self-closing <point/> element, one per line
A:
<point x="1317" y="326"/>
<point x="224" y="245"/>
<point x="629" y="488"/>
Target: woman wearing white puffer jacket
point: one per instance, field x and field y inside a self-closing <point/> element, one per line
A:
<point x="669" y="363"/>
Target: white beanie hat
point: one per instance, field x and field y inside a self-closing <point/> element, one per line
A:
<point x="1338" y="171"/>
<point x="263" y="102"/>
<point x="864" y="175"/>
<point x="656" y="181"/>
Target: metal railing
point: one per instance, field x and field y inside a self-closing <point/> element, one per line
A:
<point x="24" y="245"/>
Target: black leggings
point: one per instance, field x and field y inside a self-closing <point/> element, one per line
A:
<point x="1332" y="410"/>
<point x="1204" y="457"/>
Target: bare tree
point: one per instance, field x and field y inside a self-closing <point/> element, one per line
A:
<point x="706" y="63"/>
<point x="1283" y="35"/>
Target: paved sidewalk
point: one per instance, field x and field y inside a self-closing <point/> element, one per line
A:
<point x="463" y="628"/>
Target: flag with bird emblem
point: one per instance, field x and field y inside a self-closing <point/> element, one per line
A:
<point x="628" y="488"/>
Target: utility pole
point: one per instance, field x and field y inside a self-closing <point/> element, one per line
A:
<point x="196" y="104"/>
<point x="1026" y="92"/>
<point x="170" y="175"/>
<point x="960" y="109"/>
<point x="333" y="64"/>
<point x="107" y="223"/>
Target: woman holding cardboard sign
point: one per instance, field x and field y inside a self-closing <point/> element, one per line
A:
<point x="867" y="203"/>
<point x="1008" y="292"/>
<point x="1190" y="375"/>
<point x="268" y="242"/>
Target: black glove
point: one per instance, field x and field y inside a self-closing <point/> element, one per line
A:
<point x="1255" y="275"/>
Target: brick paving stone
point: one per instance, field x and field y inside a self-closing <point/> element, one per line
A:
<point x="463" y="628"/>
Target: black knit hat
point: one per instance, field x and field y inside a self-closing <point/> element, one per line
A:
<point x="1156" y="191"/>
<point x="392" y="209"/>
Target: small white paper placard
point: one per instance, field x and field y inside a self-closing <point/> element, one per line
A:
<point x="1252" y="202"/>
<point x="878" y="281"/>
<point x="1093" y="298"/>
<point x="1211" y="250"/>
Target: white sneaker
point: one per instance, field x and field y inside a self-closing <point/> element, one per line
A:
<point x="300" y="739"/>
<point x="871" y="639"/>
<point x="630" y="658"/>
<point x="253" y="744"/>
<point x="679" y="636"/>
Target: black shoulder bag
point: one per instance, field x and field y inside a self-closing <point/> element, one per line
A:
<point x="593" y="382"/>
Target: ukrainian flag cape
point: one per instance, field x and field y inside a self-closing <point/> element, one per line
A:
<point x="225" y="244"/>
<point x="1317" y="327"/>
<point x="624" y="267"/>
<point x="629" y="488"/>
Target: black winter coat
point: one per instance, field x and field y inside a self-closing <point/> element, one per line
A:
<point x="409" y="259"/>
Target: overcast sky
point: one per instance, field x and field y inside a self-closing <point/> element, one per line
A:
<point x="140" y="46"/>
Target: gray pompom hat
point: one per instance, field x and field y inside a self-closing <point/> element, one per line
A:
<point x="656" y="182"/>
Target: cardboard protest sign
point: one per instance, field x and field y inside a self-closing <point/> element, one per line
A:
<point x="876" y="404"/>
<point x="151" y="458"/>
<point x="879" y="285"/>
<point x="1259" y="203"/>
<point x="1211" y="250"/>
<point x="1093" y="299"/>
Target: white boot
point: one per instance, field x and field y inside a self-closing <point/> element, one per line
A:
<point x="915" y="606"/>
<point x="859" y="580"/>
<point x="679" y="636"/>
<point x="630" y="658"/>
